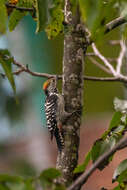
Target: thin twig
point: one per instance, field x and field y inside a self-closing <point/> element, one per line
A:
<point x="115" y="23"/>
<point x="105" y="61"/>
<point x="83" y="178"/>
<point x="124" y="145"/>
<point x="104" y="79"/>
<point x="111" y="59"/>
<point x="112" y="25"/>
<point x="18" y="71"/>
<point x="102" y="67"/>
<point x="121" y="56"/>
<point x="19" y="8"/>
<point x="89" y="54"/>
<point x="24" y="68"/>
<point x="114" y="42"/>
<point x="92" y="54"/>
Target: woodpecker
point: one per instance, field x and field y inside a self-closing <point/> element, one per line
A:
<point x="55" y="111"/>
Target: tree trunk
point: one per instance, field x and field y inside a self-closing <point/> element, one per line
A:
<point x="73" y="64"/>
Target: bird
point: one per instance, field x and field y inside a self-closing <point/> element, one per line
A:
<point x="54" y="111"/>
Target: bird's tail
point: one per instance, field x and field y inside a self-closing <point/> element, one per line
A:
<point x="59" y="139"/>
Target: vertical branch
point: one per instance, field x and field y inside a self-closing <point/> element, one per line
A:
<point x="73" y="59"/>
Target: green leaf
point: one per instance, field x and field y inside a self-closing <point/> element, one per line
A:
<point x="107" y="141"/>
<point x="116" y="119"/>
<point x="47" y="177"/>
<point x="16" y="186"/>
<point x="29" y="184"/>
<point x="123" y="9"/>
<point x="100" y="147"/>
<point x="55" y="24"/>
<point x="118" y="130"/>
<point x="96" y="149"/>
<point x="115" y="122"/>
<point x="74" y="4"/>
<point x="17" y="15"/>
<point x="41" y="11"/>
<point x="117" y="188"/>
<point x="123" y="13"/>
<point x="15" y="183"/>
<point x="50" y="173"/>
<point x="82" y="167"/>
<point x="124" y="34"/>
<point x="122" y="167"/>
<point x="15" y="18"/>
<point x="3" y="17"/>
<point x="3" y="186"/>
<point x="9" y="178"/>
<point x="89" y="11"/>
<point x="96" y="15"/>
<point x="99" y="22"/>
<point x="5" y="61"/>
<point x="122" y="178"/>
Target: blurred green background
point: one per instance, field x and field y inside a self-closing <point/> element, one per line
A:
<point x="25" y="146"/>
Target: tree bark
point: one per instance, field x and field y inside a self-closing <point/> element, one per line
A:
<point x="73" y="69"/>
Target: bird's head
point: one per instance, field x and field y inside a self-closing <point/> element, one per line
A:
<point x="49" y="85"/>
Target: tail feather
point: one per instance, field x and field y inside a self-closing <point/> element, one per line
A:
<point x="59" y="139"/>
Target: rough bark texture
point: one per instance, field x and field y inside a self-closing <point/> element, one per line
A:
<point x="74" y="42"/>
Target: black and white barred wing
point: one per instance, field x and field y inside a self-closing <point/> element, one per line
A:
<point x="51" y="117"/>
<point x="50" y="112"/>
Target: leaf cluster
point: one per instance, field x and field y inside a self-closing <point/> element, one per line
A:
<point x="44" y="180"/>
<point x="107" y="141"/>
<point x="47" y="13"/>
<point x="96" y="14"/>
<point x="116" y="130"/>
